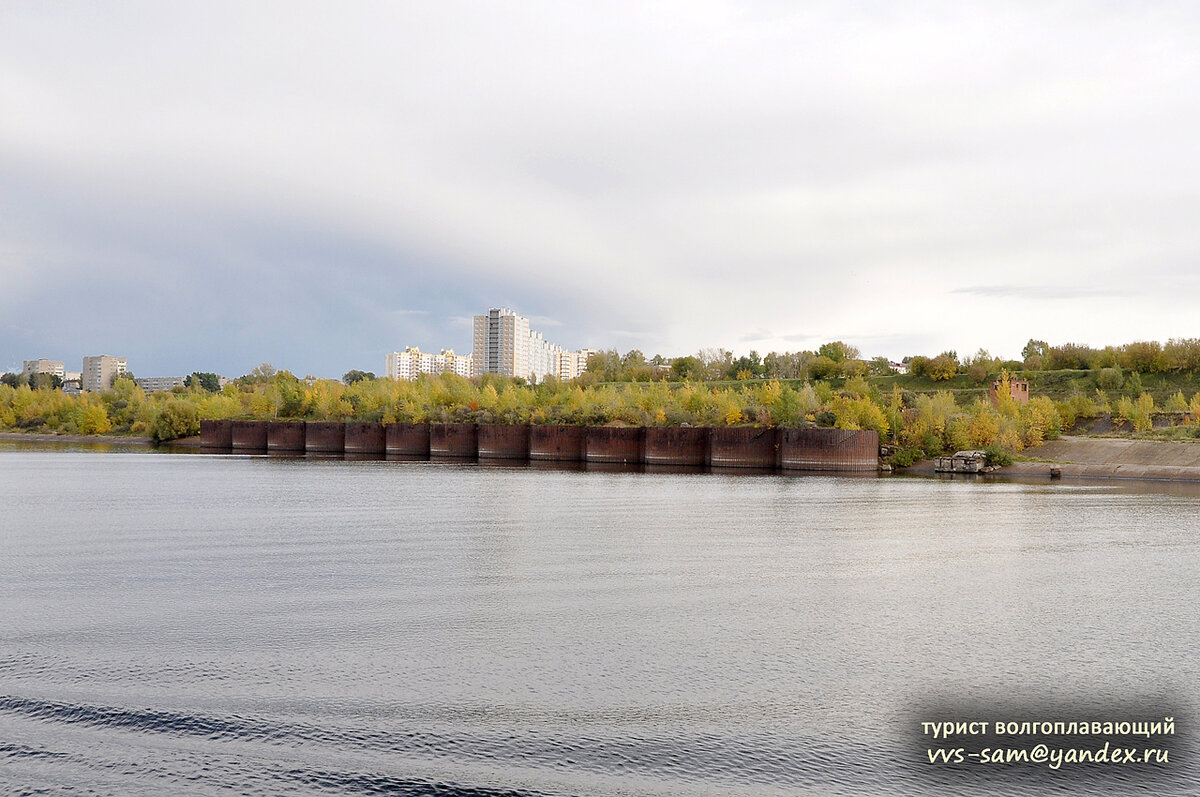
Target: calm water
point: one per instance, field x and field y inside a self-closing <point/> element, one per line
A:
<point x="187" y="624"/>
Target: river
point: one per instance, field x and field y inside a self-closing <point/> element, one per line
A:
<point x="218" y="624"/>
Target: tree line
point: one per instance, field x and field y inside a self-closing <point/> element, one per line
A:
<point x="837" y="359"/>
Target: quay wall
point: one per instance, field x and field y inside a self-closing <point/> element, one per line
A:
<point x="325" y="437"/>
<point x="839" y="450"/>
<point x="245" y="435"/>
<point x="812" y="449"/>
<point x="676" y="445"/>
<point x="743" y="447"/>
<point x="407" y="439"/>
<point x="459" y="440"/>
<point x="366" y="438"/>
<point x="557" y="443"/>
<point x="216" y="434"/>
<point x="285" y="435"/>
<point x="622" y="444"/>
<point x="503" y="441"/>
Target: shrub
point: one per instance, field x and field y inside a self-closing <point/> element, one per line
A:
<point x="905" y="457"/>
<point x="175" y="418"/>
<point x="1109" y="379"/>
<point x="995" y="455"/>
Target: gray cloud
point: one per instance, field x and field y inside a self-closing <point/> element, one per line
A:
<point x="211" y="186"/>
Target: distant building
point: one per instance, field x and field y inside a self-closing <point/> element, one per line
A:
<point x="572" y="364"/>
<point x="43" y="367"/>
<point x="900" y="368"/>
<point x="501" y="343"/>
<point x="412" y="362"/>
<point x="154" y="384"/>
<point x="99" y="371"/>
<point x="505" y="345"/>
<point x="1017" y="388"/>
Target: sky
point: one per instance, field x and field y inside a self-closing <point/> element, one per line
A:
<point x="209" y="186"/>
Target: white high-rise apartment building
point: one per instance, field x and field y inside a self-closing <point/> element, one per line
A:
<point x="100" y="371"/>
<point x="504" y="344"/>
<point x="412" y="362"/>
<point x="501" y="343"/>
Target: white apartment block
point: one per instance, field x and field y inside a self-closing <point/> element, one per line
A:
<point x="412" y="362"/>
<point x="100" y="371"/>
<point x="501" y="343"/>
<point x="504" y="344"/>
<point x="43" y="367"/>
<point x="572" y="364"/>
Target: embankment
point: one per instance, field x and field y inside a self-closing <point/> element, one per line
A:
<point x="1100" y="458"/>
<point x="1112" y="458"/>
<point x="810" y="449"/>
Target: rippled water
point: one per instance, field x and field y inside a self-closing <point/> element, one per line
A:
<point x="242" y="625"/>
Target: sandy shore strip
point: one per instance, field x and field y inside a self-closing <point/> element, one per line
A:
<point x="20" y="437"/>
<point x="1103" y="458"/>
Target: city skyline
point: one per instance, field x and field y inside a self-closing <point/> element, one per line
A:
<point x="208" y="188"/>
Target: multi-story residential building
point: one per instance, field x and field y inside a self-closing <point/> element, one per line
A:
<point x="501" y="343"/>
<point x="412" y="362"/>
<point x="572" y="364"/>
<point x="99" y="371"/>
<point x="32" y="367"/>
<point x="153" y="384"/>
<point x="504" y="344"/>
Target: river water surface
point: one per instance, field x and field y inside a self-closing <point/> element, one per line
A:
<point x="207" y="624"/>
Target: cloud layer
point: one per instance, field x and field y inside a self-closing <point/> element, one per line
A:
<point x="207" y="188"/>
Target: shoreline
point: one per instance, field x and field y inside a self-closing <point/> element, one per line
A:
<point x="42" y="437"/>
<point x="1100" y="458"/>
<point x="1071" y="458"/>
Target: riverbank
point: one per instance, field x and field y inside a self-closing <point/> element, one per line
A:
<point x="22" y="437"/>
<point x="1103" y="458"/>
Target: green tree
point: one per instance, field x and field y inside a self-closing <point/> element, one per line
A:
<point x="262" y="373"/>
<point x="838" y="351"/>
<point x="175" y="418"/>
<point x="633" y="359"/>
<point x="750" y="364"/>
<point x="879" y="366"/>
<point x="688" y="367"/>
<point x="1034" y="348"/>
<point x="203" y="379"/>
<point x="354" y="375"/>
<point x="45" y="381"/>
<point x="943" y="367"/>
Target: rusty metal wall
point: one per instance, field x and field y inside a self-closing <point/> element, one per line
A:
<point x="248" y="435"/>
<point x="503" y="441"/>
<point x="743" y="447"/>
<point x="829" y="449"/>
<point x="614" y="444"/>
<point x="676" y="445"/>
<point x="216" y="434"/>
<point x="407" y="439"/>
<point x="285" y="435"/>
<point x="327" y="437"/>
<point x="561" y="443"/>
<point x="365" y="438"/>
<point x="453" y="440"/>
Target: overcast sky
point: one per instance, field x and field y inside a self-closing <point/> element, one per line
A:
<point x="208" y="186"/>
